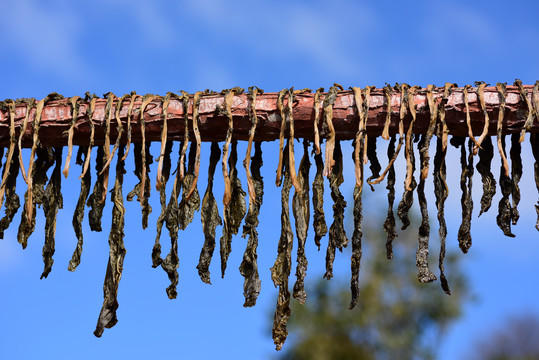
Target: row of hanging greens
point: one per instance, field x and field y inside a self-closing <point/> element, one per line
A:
<point x="184" y="200"/>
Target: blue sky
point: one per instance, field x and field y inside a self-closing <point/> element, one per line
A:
<point x="159" y="46"/>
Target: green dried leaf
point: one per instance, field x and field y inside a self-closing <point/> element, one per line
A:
<point x="504" y="206"/>
<point x="534" y="140"/>
<point x="52" y="202"/>
<point x="78" y="215"/>
<point x="171" y="262"/>
<point x="188" y="206"/>
<point x="516" y="174"/>
<point x="95" y="199"/>
<point x="42" y="164"/>
<point x="355" y="263"/>
<point x="280" y="271"/>
<point x="408" y="195"/>
<point x="165" y="174"/>
<point x="12" y="203"/>
<point x="107" y="316"/>
<point x="146" y="208"/>
<point x="464" y="236"/>
<point x="389" y="224"/>
<point x="234" y="212"/>
<point x="249" y="267"/>
<point x="210" y="218"/>
<point x="301" y="210"/>
<point x="486" y="153"/>
<point x="319" y="220"/>
<point x="425" y="275"/>
<point x="441" y="192"/>
<point x="337" y="235"/>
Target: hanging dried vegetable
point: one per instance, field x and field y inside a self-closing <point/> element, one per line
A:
<point x="504" y="217"/>
<point x="389" y="224"/>
<point x="529" y="117"/>
<point x="534" y="140"/>
<point x="424" y="149"/>
<point x="37" y="179"/>
<point x="486" y="153"/>
<point x="165" y="162"/>
<point x="172" y="220"/>
<point x="119" y="129"/>
<point x="78" y="215"/>
<point x="142" y="168"/>
<point x="464" y="236"/>
<point x="129" y="115"/>
<point x="337" y="235"/>
<point x="358" y="218"/>
<point x="182" y="216"/>
<point x="159" y="181"/>
<point x="74" y="113"/>
<point x="468" y="118"/>
<point x="319" y="220"/>
<point x="329" y="99"/>
<point x="107" y="316"/>
<point x="249" y="267"/>
<point x="89" y="112"/>
<point x="409" y="183"/>
<point x="516" y="174"/>
<point x="106" y="148"/>
<point x="280" y="271"/>
<point x="481" y="94"/>
<point x="501" y="87"/>
<point x="301" y="210"/>
<point x="9" y="174"/>
<point x="229" y="99"/>
<point x="425" y="275"/>
<point x="12" y="203"/>
<point x="234" y="212"/>
<point x="316" y="109"/>
<point x="373" y="159"/>
<point x="94" y="200"/>
<point x="209" y="216"/>
<point x="441" y="192"/>
<point x="29" y="104"/>
<point x="53" y="201"/>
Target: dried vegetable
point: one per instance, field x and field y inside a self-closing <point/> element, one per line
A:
<point x="108" y="124"/>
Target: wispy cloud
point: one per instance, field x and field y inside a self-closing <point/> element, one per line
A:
<point x="42" y="35"/>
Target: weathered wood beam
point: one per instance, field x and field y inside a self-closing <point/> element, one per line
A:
<point x="57" y="116"/>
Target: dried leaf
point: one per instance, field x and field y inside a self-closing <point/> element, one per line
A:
<point x="373" y="159"/>
<point x="301" y="210"/>
<point x="329" y="99"/>
<point x="464" y="236"/>
<point x="107" y="316"/>
<point x="534" y="140"/>
<point x="12" y="203"/>
<point x="281" y="269"/>
<point x="486" y="153"/>
<point x="337" y="235"/>
<point x="441" y="192"/>
<point x="209" y="216"/>
<point x="358" y="233"/>
<point x="516" y="174"/>
<point x="389" y="224"/>
<point x="78" y="215"/>
<point x="171" y="262"/>
<point x="140" y="167"/>
<point x="504" y="206"/>
<point x="37" y="177"/>
<point x="94" y="200"/>
<point x="249" y="267"/>
<point x="234" y="212"/>
<point x="52" y="202"/>
<point x="165" y="163"/>
<point x="425" y="275"/>
<point x="319" y="220"/>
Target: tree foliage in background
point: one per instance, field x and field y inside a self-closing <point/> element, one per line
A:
<point x="517" y="338"/>
<point x="396" y="316"/>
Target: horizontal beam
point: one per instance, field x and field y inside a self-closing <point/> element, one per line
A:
<point x="57" y="116"/>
